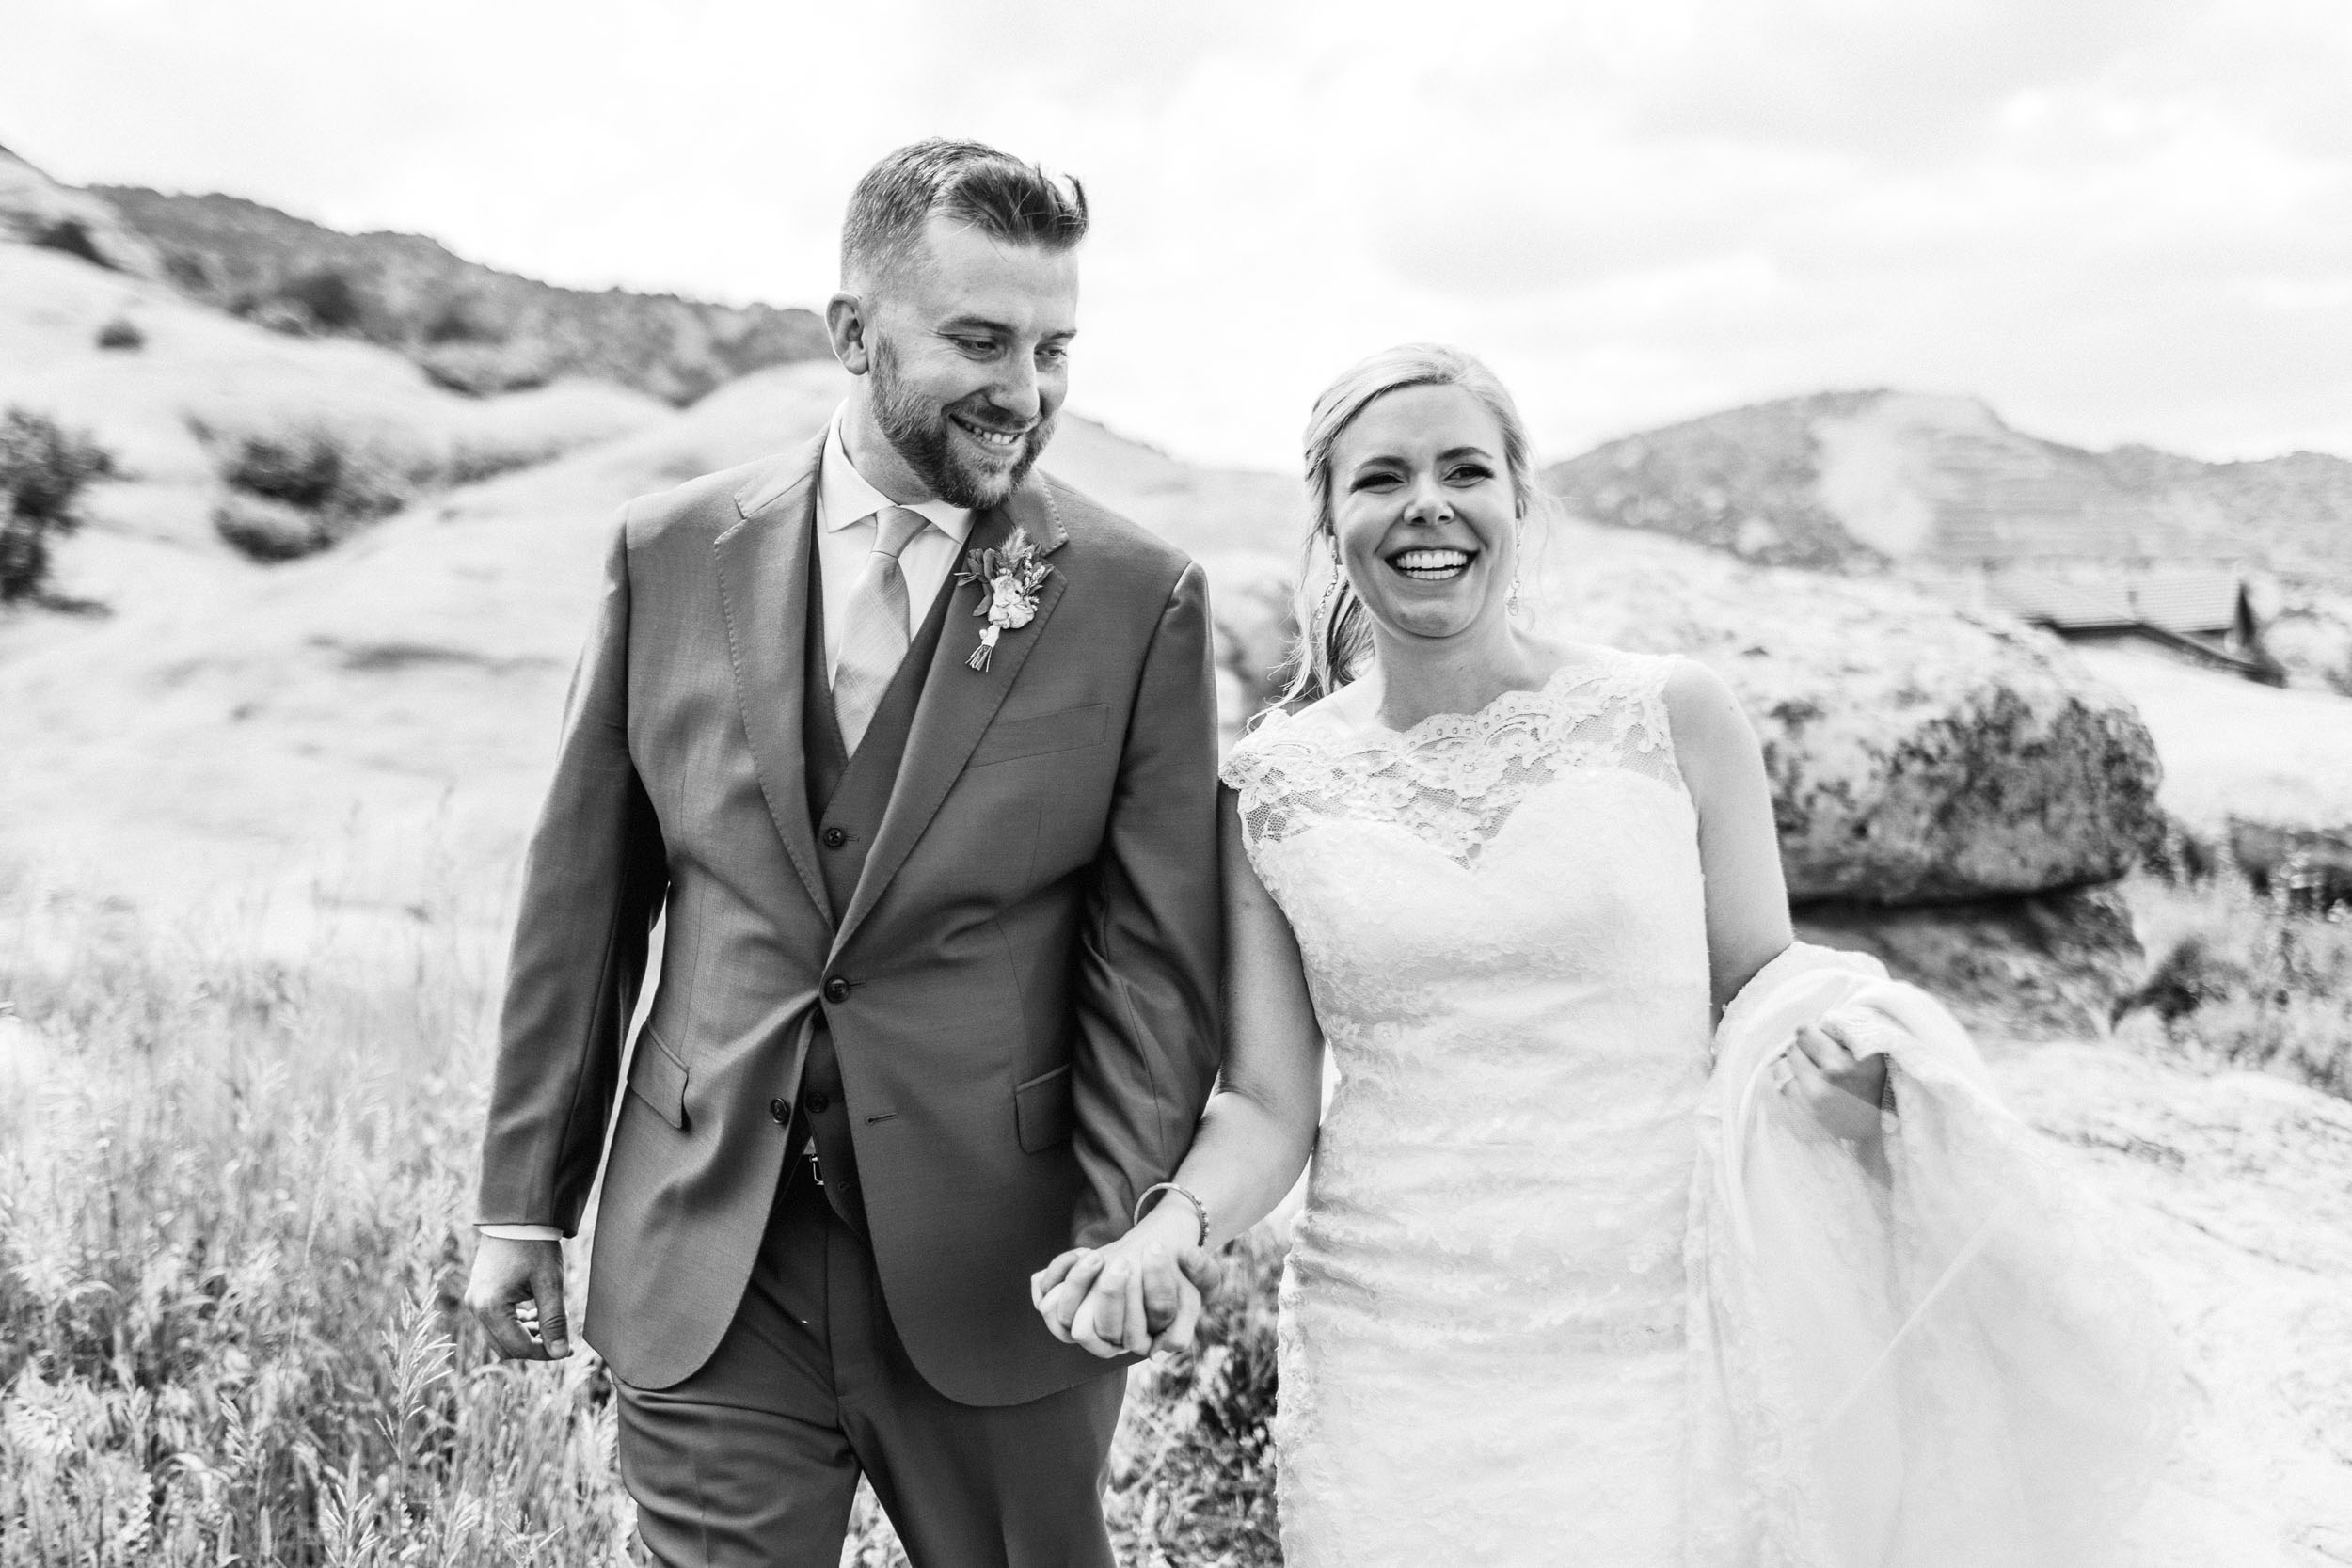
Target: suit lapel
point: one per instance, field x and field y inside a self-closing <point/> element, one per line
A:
<point x="764" y="567"/>
<point x="958" y="701"/>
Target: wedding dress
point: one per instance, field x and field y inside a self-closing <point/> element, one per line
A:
<point x="1517" y="1326"/>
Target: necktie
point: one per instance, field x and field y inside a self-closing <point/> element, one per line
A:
<point x="874" y="637"/>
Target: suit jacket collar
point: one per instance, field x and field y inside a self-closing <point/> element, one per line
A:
<point x="958" y="701"/>
<point x="764" y="563"/>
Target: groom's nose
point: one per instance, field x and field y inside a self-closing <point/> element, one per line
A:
<point x="1015" y="388"/>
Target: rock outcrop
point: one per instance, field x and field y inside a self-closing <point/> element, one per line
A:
<point x="1858" y="480"/>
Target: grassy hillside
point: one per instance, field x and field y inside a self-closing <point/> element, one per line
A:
<point x="472" y="327"/>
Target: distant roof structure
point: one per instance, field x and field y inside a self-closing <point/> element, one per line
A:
<point x="2194" y="603"/>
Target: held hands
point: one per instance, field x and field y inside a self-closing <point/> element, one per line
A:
<point x="1139" y="1295"/>
<point x="517" y="1291"/>
<point x="1835" y="1075"/>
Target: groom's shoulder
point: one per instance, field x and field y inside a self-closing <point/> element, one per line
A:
<point x="702" y="508"/>
<point x="1111" y="543"/>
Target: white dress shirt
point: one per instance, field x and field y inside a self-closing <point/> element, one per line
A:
<point x="846" y="504"/>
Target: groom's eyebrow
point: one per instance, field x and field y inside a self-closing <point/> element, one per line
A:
<point x="965" y="324"/>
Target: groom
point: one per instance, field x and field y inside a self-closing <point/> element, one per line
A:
<point x="939" y="978"/>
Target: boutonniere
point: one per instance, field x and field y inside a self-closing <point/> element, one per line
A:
<point x="1012" y="577"/>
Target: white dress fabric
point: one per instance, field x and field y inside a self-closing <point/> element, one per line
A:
<point x="1506" y="1337"/>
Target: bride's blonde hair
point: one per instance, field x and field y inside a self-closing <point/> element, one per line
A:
<point x="1335" y="631"/>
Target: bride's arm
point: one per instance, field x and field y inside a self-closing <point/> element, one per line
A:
<point x="1253" y="1137"/>
<point x="1747" y="898"/>
<point x="1723" y="767"/>
<point x="1260" y="1125"/>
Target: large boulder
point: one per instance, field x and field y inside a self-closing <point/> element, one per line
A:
<point x="1917" y="754"/>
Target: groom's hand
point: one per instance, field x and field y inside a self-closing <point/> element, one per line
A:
<point x="517" y="1293"/>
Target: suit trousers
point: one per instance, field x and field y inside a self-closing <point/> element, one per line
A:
<point x="754" y="1459"/>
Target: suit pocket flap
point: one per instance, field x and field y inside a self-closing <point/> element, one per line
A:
<point x="658" y="1078"/>
<point x="1064" y="731"/>
<point x="1042" y="1110"/>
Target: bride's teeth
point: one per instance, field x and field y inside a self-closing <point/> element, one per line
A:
<point x="1431" y="565"/>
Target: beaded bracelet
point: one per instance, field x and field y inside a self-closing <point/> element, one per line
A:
<point x="1199" y="1208"/>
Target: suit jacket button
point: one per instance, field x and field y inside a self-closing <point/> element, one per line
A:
<point x="818" y="1102"/>
<point x="836" y="991"/>
<point x="779" y="1110"/>
<point x="836" y="838"/>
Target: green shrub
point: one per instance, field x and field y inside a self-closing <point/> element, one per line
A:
<point x="329" y="296"/>
<point x="44" y="468"/>
<point x="300" y="492"/>
<point x="121" y="333"/>
<point x="2248" y="979"/>
<point x="72" y="236"/>
<point x="270" y="531"/>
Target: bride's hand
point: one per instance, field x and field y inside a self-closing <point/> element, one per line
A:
<point x="1139" y="1295"/>
<point x="1839" y="1090"/>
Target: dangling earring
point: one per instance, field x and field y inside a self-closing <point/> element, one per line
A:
<point x="1512" y="606"/>
<point x="1323" y="610"/>
<point x="1518" y="548"/>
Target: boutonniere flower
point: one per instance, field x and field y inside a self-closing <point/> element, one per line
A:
<point x="1010" y="578"/>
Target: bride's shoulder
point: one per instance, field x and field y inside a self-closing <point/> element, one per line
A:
<point x="1707" y="726"/>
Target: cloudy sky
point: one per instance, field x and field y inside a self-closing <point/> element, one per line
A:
<point x="2115" y="219"/>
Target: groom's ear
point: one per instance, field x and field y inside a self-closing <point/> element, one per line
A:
<point x="847" y="325"/>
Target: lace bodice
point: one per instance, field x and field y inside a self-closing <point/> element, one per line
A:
<point x="1503" y="924"/>
<point x="1453" y="779"/>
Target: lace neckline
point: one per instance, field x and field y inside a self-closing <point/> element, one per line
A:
<point x="1377" y="737"/>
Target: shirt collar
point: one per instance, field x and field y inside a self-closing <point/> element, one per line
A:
<point x="848" y="498"/>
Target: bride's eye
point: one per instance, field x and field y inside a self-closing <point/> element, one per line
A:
<point x="1471" y="473"/>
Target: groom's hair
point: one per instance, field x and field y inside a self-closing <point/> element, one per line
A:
<point x="993" y="192"/>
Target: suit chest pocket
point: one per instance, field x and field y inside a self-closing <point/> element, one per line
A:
<point x="1009" y="739"/>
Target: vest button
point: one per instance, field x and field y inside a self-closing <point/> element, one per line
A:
<point x="836" y="991"/>
<point x="836" y="838"/>
<point x="818" y="1101"/>
<point x="779" y="1110"/>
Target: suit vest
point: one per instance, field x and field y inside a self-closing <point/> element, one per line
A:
<point x="846" y="797"/>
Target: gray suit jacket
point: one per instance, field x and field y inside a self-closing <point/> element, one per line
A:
<point x="1022" y="992"/>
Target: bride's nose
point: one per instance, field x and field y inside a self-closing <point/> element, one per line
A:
<point x="1427" y="503"/>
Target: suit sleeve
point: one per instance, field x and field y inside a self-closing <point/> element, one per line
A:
<point x="1147" y="980"/>
<point x="593" y="881"/>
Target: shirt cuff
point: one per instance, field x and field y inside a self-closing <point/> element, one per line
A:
<point x="521" y="1232"/>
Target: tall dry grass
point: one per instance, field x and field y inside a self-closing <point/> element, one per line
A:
<point x="232" y="1195"/>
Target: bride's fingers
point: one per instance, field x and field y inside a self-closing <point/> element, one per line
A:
<point x="1822" y="1050"/>
<point x="1063" y="1303"/>
<point x="1178" y="1333"/>
<point x="1138" y="1339"/>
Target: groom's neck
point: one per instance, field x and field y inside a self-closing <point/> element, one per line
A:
<point x="876" y="460"/>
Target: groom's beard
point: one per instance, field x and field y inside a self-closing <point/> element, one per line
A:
<point x="918" y="430"/>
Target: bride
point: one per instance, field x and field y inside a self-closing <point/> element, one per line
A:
<point x="1637" y="1233"/>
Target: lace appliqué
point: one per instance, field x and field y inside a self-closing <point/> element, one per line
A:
<point x="1454" y="779"/>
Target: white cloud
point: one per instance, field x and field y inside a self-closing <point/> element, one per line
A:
<point x="2117" y="219"/>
